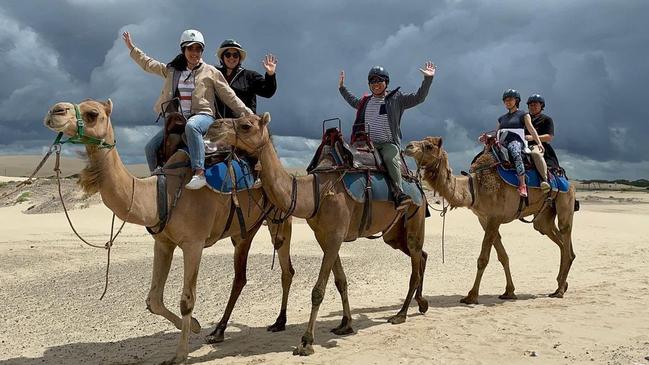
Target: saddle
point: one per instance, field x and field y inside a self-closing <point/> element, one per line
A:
<point x="174" y="136"/>
<point x="335" y="154"/>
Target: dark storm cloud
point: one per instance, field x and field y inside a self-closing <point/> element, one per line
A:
<point x="586" y="57"/>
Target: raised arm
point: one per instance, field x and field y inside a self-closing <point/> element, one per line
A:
<point x="225" y="93"/>
<point x="349" y="97"/>
<point x="266" y="85"/>
<point x="410" y="100"/>
<point x="147" y="63"/>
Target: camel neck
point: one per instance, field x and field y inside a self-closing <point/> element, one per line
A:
<point x="107" y="174"/>
<point x="455" y="189"/>
<point x="278" y="184"/>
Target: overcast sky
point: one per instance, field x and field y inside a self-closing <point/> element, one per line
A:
<point x="589" y="58"/>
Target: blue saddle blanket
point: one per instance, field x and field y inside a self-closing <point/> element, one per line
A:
<point x="560" y="183"/>
<point x="355" y="186"/>
<point x="218" y="177"/>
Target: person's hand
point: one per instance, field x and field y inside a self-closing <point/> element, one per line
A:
<point x="540" y="147"/>
<point x="126" y="36"/>
<point x="341" y="80"/>
<point x="429" y="69"/>
<point x="482" y="138"/>
<point x="270" y="63"/>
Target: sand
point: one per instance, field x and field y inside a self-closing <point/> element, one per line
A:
<point x="50" y="284"/>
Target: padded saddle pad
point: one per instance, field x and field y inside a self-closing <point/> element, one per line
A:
<point x="218" y="177"/>
<point x="355" y="186"/>
<point x="560" y="183"/>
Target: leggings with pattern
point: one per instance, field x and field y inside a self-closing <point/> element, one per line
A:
<point x="515" y="148"/>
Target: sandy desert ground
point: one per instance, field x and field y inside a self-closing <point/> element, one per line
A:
<point x="50" y="285"/>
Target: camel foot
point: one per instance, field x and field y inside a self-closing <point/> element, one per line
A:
<point x="278" y="326"/>
<point x="560" y="291"/>
<point x="195" y="327"/>
<point x="557" y="294"/>
<point x="423" y="305"/>
<point x="178" y="359"/>
<point x="397" y="319"/>
<point x="344" y="328"/>
<point x="508" y="296"/>
<point x="218" y="335"/>
<point x="469" y="299"/>
<point x="304" y="350"/>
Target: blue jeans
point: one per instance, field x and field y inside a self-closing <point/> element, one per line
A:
<point x="195" y="129"/>
<point x="151" y="150"/>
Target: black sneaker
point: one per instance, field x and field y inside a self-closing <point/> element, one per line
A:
<point x="402" y="201"/>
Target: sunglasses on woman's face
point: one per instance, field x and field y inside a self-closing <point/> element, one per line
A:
<point x="231" y="54"/>
<point x="376" y="81"/>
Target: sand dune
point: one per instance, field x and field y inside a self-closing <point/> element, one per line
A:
<point x="50" y="284"/>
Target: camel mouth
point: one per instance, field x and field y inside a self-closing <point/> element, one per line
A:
<point x="410" y="150"/>
<point x="55" y="125"/>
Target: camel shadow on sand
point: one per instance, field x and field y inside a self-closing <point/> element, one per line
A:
<point x="241" y="340"/>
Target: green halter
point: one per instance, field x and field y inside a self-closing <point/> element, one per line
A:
<point x="80" y="137"/>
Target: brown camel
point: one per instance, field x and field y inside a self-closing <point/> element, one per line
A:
<point x="198" y="220"/>
<point x="496" y="203"/>
<point x="336" y="219"/>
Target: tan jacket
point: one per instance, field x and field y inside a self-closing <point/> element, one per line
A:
<point x="208" y="82"/>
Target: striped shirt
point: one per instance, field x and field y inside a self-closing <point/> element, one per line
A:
<point x="376" y="121"/>
<point x="185" y="89"/>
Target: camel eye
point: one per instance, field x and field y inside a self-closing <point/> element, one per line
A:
<point x="92" y="114"/>
<point x="245" y="127"/>
<point x="428" y="147"/>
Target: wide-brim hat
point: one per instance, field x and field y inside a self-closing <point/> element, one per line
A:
<point x="230" y="43"/>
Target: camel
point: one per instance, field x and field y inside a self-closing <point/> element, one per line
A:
<point x="334" y="220"/>
<point x="198" y="220"/>
<point x="496" y="203"/>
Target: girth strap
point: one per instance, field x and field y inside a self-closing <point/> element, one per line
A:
<point x="471" y="188"/>
<point x="164" y="212"/>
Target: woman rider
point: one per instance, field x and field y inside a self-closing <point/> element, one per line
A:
<point x="247" y="84"/>
<point x="196" y="84"/>
<point x="515" y="122"/>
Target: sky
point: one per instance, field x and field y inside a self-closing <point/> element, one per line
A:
<point x="588" y="58"/>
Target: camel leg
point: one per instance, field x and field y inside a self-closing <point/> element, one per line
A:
<point x="282" y="241"/>
<point x="483" y="260"/>
<point x="191" y="261"/>
<point x="162" y="256"/>
<point x="330" y="246"/>
<point x="504" y="260"/>
<point x="340" y="278"/>
<point x="421" y="301"/>
<point x="241" y="250"/>
<point x="415" y="237"/>
<point x="561" y="236"/>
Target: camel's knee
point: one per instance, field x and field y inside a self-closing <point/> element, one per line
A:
<point x="482" y="263"/>
<point x="240" y="281"/>
<point x="317" y="295"/>
<point x="187" y="303"/>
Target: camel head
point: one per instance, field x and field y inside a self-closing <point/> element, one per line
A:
<point x="426" y="152"/>
<point x="62" y="117"/>
<point x="248" y="133"/>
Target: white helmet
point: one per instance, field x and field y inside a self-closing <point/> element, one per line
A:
<point x="191" y="36"/>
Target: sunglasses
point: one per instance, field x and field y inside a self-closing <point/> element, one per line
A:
<point x="231" y="54"/>
<point x="376" y="81"/>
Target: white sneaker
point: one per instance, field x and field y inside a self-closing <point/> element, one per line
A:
<point x="545" y="187"/>
<point x="197" y="182"/>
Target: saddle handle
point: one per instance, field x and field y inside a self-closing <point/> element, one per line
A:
<point x="164" y="106"/>
<point x="324" y="122"/>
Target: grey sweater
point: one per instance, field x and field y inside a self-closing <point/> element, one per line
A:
<point x="395" y="103"/>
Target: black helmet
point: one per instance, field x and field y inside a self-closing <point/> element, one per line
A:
<point x="380" y="72"/>
<point x="536" y="98"/>
<point x="511" y="93"/>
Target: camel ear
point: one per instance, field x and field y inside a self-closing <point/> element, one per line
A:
<point x="438" y="142"/>
<point x="108" y="107"/>
<point x="265" y="118"/>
